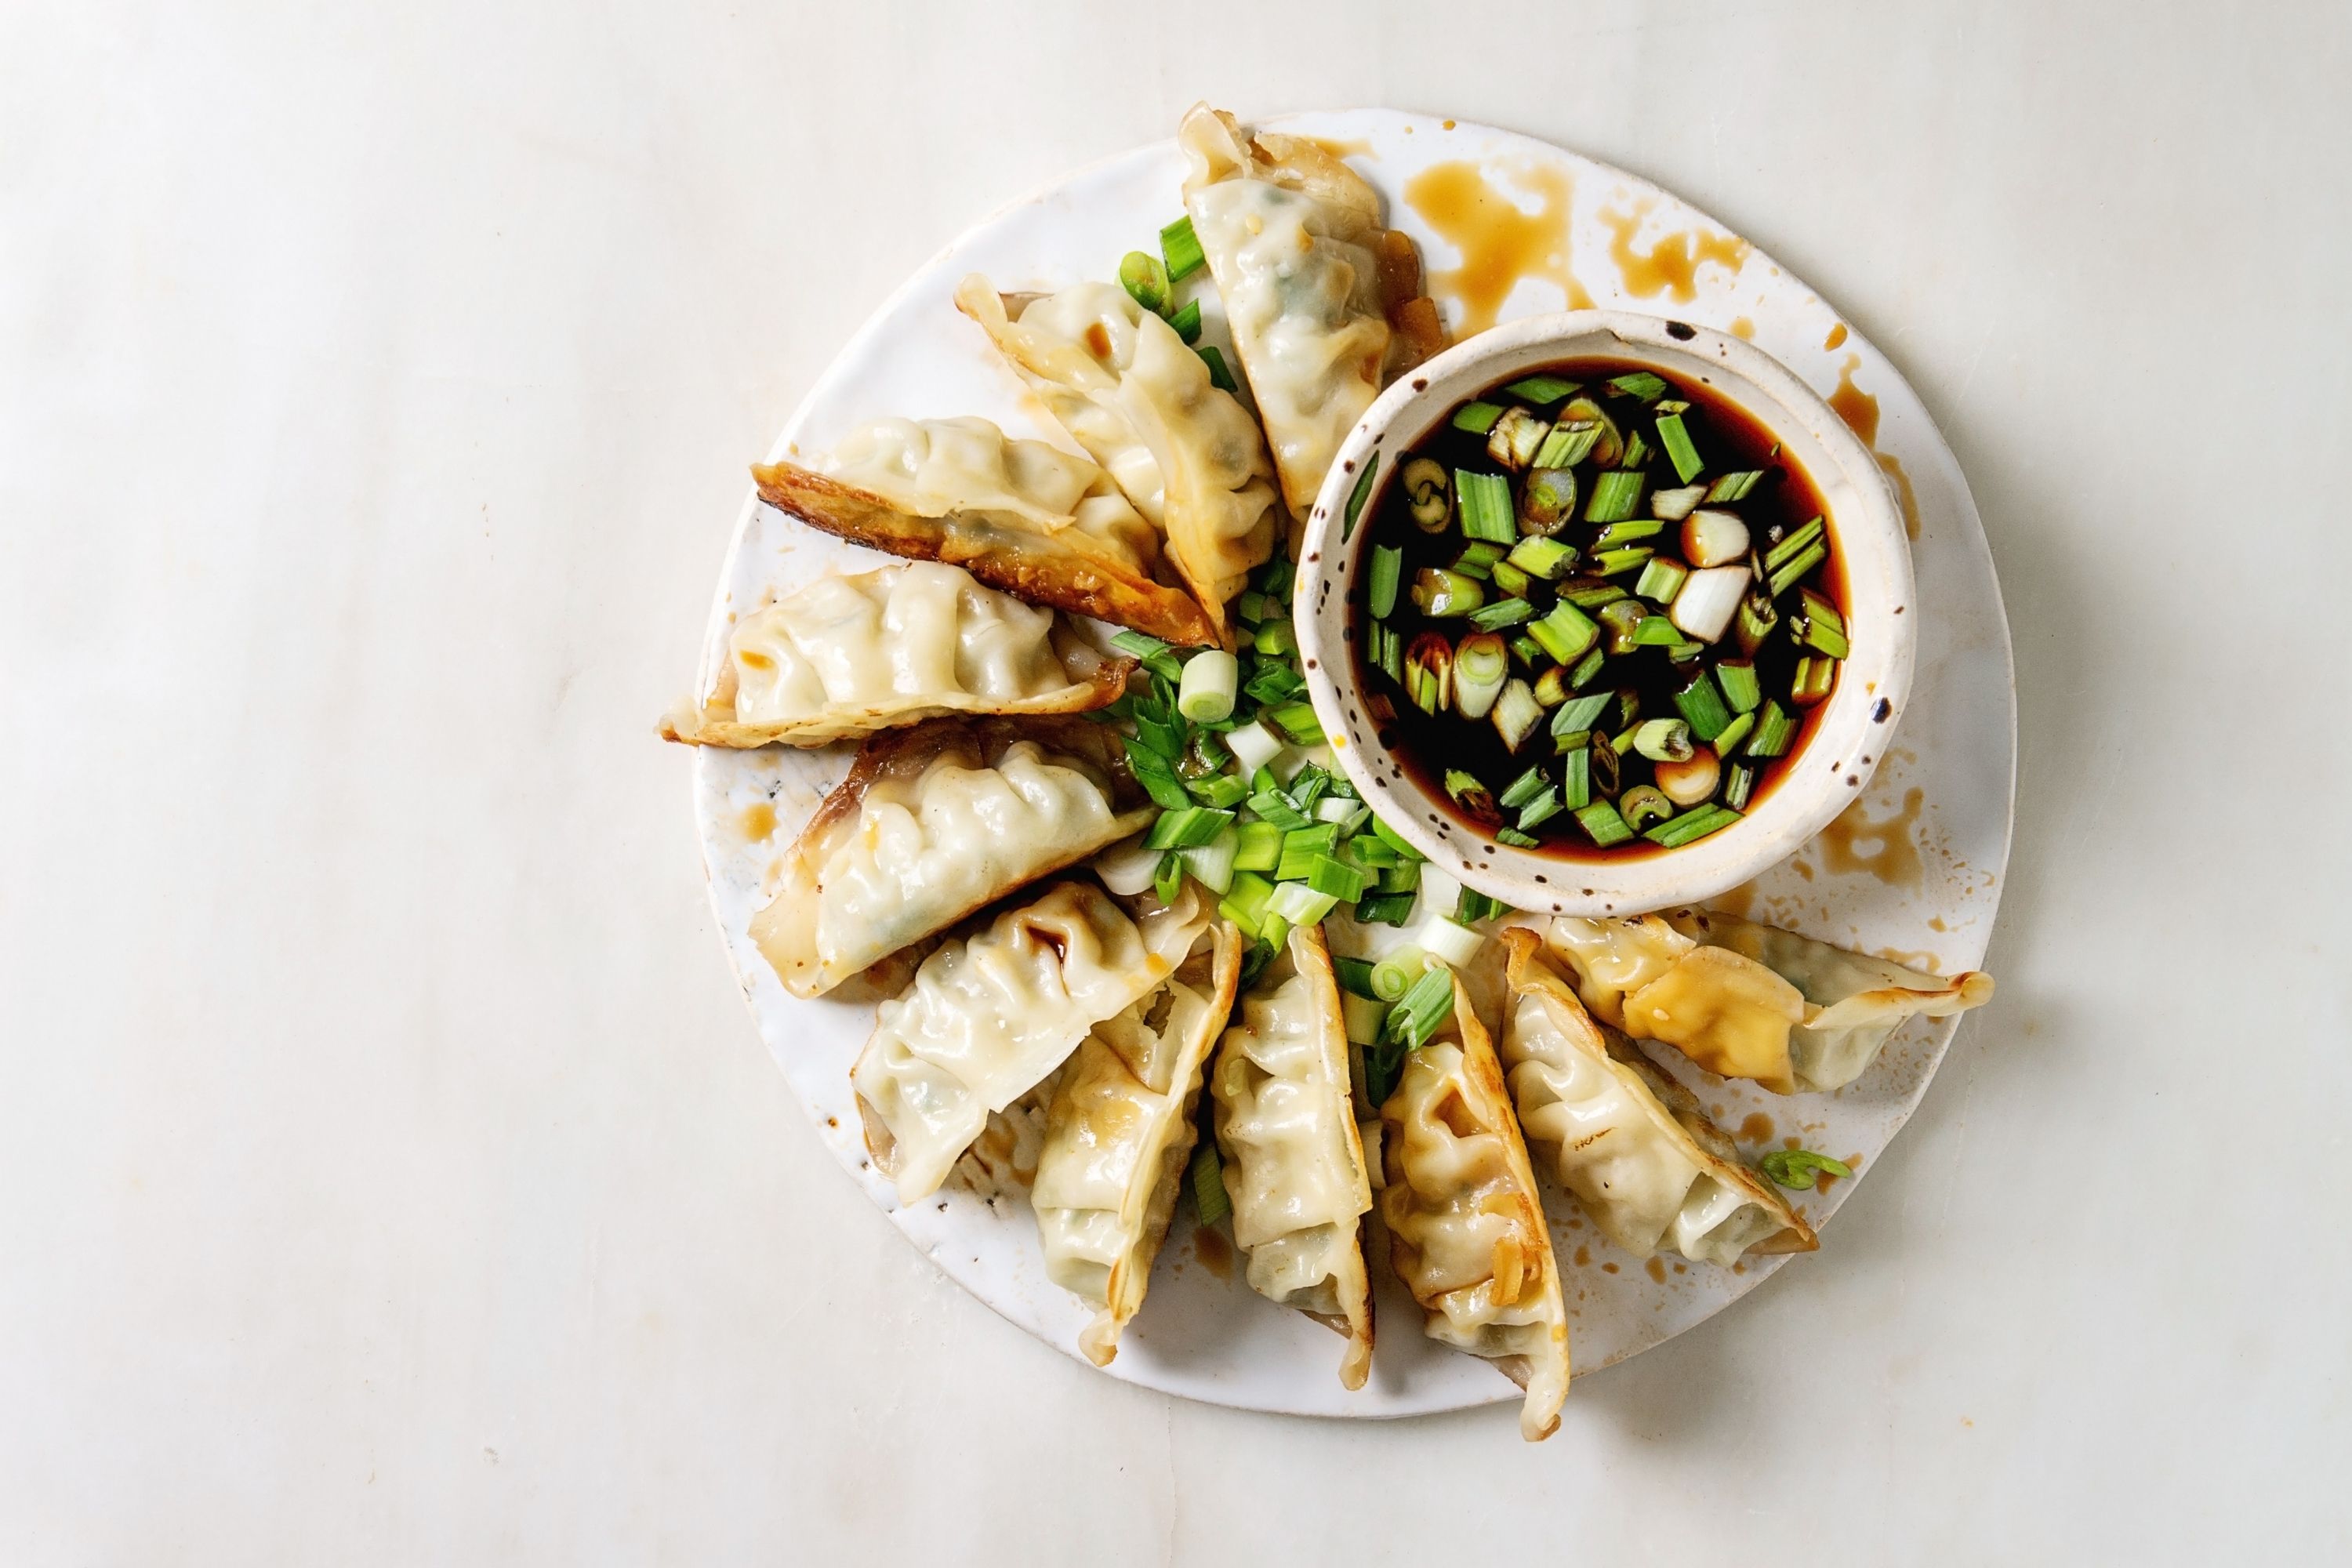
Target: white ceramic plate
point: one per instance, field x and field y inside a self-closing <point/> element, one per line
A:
<point x="1913" y="872"/>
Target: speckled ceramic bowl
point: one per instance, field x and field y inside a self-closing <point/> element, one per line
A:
<point x="1847" y="744"/>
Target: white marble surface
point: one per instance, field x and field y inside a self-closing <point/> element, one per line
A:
<point x="389" y="1172"/>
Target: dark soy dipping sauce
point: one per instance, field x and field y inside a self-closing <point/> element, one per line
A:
<point x="1427" y="746"/>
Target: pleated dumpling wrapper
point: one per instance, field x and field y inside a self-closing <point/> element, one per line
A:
<point x="986" y="1017"/>
<point x="1324" y="304"/>
<point x="1628" y="1142"/>
<point x="1119" y="1131"/>
<point x="1293" y="1160"/>
<point x="1040" y="523"/>
<point x="1465" y="1223"/>
<point x="934" y="823"/>
<point x="854" y="653"/>
<point x="1749" y="1001"/>
<point x="1130" y="391"/>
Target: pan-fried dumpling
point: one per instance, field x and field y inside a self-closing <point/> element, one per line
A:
<point x="1631" y="1143"/>
<point x="989" y="1016"/>
<point x="1853" y="1001"/>
<point x="1294" y="1162"/>
<point x="1750" y="1001"/>
<point x="934" y="822"/>
<point x="1465" y="1224"/>
<point x="1124" y="383"/>
<point x="986" y="1018"/>
<point x="1118" y="1132"/>
<point x="854" y="653"/>
<point x="1324" y="304"/>
<point x="1039" y="522"/>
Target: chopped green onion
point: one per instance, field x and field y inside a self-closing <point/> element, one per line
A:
<point x="1632" y="532"/>
<point x="1516" y="438"/>
<point x="1356" y="499"/>
<point x="1481" y="665"/>
<point x="1423" y="1008"/>
<point x="1590" y="593"/>
<point x="1544" y="807"/>
<point x="1485" y="506"/>
<point x="1516" y="839"/>
<point x="1661" y="579"/>
<point x="1429" y="673"/>
<point x="1756" y="619"/>
<point x="1169" y="881"/>
<point x="1565" y="632"/>
<point x="1299" y="721"/>
<point x="1301" y="848"/>
<point x="1223" y="791"/>
<point x="1219" y="376"/>
<point x="1541" y="389"/>
<point x="1206" y="693"/>
<point x="1393" y="976"/>
<point x="1546" y="501"/>
<point x="1796" y="544"/>
<point x="1656" y="631"/>
<point x="1542" y="558"/>
<point x="1740" y="687"/>
<point x="1701" y="705"/>
<point x="1473" y="906"/>
<point x="1590" y="668"/>
<point x="1275" y="639"/>
<point x="1523" y="789"/>
<point x="1187" y="321"/>
<point x="1477" y="417"/>
<point x="1615" y="494"/>
<point x="1438" y="593"/>
<point x="1576" y="792"/>
<point x="1340" y="809"/>
<point x="1388" y="570"/>
<point x="1640" y="385"/>
<point x="1581" y="712"/>
<point x="1299" y="904"/>
<point x="1428" y="494"/>
<point x="1727" y="739"/>
<point x="1817" y="624"/>
<point x="1637" y="451"/>
<point x="1210" y="1203"/>
<point x="1154" y="655"/>
<point x="1146" y="280"/>
<point x="1737" y="784"/>
<point x="1391" y="654"/>
<point x="1602" y="825"/>
<point x="1691" y="827"/>
<point x="1788" y="575"/>
<point x="1680" y="452"/>
<point x="1801" y="1169"/>
<point x="1212" y="864"/>
<point x="1509" y="579"/>
<point x="1664" y="740"/>
<point x="1180" y="248"/>
<point x="1673" y="506"/>
<point x="1253" y="606"/>
<point x="1274" y="578"/>
<point x="1468" y="793"/>
<point x="1185" y="827"/>
<point x="1551" y="685"/>
<point x="1275" y="809"/>
<point x="1343" y="882"/>
<point x="1610" y="563"/>
<point x="1775" y="728"/>
<point x="1643" y="804"/>
<point x="1156" y="774"/>
<point x="1516" y="713"/>
<point x="1371" y="851"/>
<point x="1507" y="613"/>
<point x="1528" y="651"/>
<point x="1812" y="680"/>
<point x="1260" y="849"/>
<point x="1386" y="910"/>
<point x="1363" y="1017"/>
<point x="1394" y="840"/>
<point x="1570" y="443"/>
<point x="1734" y="487"/>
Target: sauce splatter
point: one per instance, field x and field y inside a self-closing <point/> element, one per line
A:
<point x="1735" y="903"/>
<point x="1656" y="1269"/>
<point x="1584" y="1257"/>
<point x="1609" y="1268"/>
<point x="1743" y="329"/>
<point x="1499" y="241"/>
<point x="1671" y="266"/>
<point x="758" y="820"/>
<point x="1856" y="406"/>
<point x="1756" y="1129"/>
<point x="1216" y="1253"/>
<point x="1837" y="336"/>
<point x="1879" y="847"/>
<point x="1904" y="493"/>
<point x="1344" y="147"/>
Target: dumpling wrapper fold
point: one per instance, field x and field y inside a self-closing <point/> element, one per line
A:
<point x="933" y="823"/>
<point x="854" y="653"/>
<point x="1040" y="523"/>
<point x="1630" y="1143"/>
<point x="1119" y="1129"/>
<point x="988" y="1017"/>
<point x="1294" y="1160"/>
<point x="1324" y="304"/>
<point x="1136" y="396"/>
<point x="1466" y="1231"/>
<point x="1744" y="1000"/>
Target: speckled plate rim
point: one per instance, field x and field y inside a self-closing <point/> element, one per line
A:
<point x="1210" y="1340"/>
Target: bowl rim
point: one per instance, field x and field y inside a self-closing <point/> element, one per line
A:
<point x="1855" y="730"/>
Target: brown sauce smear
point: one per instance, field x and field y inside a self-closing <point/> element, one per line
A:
<point x="1903" y="492"/>
<point x="1584" y="1257"/>
<point x="1499" y="243"/>
<point x="1216" y="1253"/>
<point x="758" y="821"/>
<point x="1837" y="336"/>
<point x="1743" y="329"/>
<point x="1344" y="146"/>
<point x="1890" y="856"/>
<point x="1756" y="1129"/>
<point x="1673" y="263"/>
<point x="1656" y="1269"/>
<point x="1859" y="409"/>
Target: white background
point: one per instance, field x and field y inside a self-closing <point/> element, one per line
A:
<point x="389" y="1172"/>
